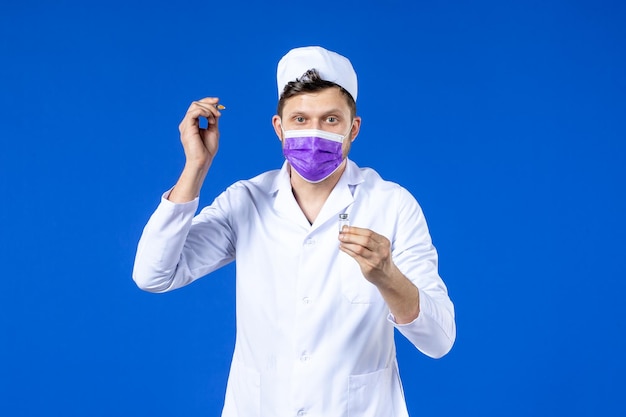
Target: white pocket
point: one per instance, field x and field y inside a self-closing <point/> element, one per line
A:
<point x="369" y="394"/>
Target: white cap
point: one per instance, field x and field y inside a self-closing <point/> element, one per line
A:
<point x="330" y="65"/>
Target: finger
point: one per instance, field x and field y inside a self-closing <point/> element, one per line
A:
<point x="369" y="252"/>
<point x="354" y="242"/>
<point x="368" y="235"/>
<point x="212" y="121"/>
<point x="367" y="260"/>
<point x="195" y="111"/>
<point x="208" y="104"/>
<point x="361" y="237"/>
<point x="209" y="100"/>
<point x="356" y="251"/>
<point x="359" y="231"/>
<point x="204" y="109"/>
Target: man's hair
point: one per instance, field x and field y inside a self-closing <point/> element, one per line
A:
<point x="311" y="82"/>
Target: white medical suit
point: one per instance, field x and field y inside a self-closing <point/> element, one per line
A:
<point x="314" y="337"/>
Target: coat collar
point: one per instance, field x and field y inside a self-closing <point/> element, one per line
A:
<point x="340" y="198"/>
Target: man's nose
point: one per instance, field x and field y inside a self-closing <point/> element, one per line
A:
<point x="316" y="124"/>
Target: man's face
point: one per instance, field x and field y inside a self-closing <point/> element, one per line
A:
<point x="324" y="110"/>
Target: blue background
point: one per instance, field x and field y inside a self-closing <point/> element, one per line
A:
<point x="506" y="119"/>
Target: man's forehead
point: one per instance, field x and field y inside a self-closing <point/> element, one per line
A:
<point x="324" y="101"/>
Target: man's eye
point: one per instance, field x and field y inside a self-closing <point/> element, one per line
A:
<point x="331" y="119"/>
<point x="300" y="119"/>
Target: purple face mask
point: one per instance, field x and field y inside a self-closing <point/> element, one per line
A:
<point x="314" y="154"/>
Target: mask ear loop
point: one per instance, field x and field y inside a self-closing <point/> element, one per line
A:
<point x="349" y="130"/>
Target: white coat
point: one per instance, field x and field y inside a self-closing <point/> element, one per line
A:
<point x="314" y="337"/>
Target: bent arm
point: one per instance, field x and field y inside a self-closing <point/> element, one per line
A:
<point x="161" y="245"/>
<point x="177" y="248"/>
<point x="433" y="332"/>
<point x="408" y="281"/>
<point x="167" y="253"/>
<point x="404" y="270"/>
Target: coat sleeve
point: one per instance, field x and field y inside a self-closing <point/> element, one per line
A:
<point x="177" y="248"/>
<point x="433" y="332"/>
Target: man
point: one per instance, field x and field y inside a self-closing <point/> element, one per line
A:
<point x="316" y="308"/>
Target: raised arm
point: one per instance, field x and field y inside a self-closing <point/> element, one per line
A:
<point x="167" y="255"/>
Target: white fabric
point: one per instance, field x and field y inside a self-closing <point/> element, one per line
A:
<point x="306" y="133"/>
<point x="313" y="335"/>
<point x="330" y="65"/>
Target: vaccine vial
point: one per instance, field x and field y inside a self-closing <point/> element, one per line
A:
<point x="343" y="221"/>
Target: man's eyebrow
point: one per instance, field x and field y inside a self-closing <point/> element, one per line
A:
<point x="334" y="111"/>
<point x="296" y="113"/>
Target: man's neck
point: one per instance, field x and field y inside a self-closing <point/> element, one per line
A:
<point x="311" y="197"/>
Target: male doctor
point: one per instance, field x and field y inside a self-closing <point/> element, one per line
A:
<point x="316" y="306"/>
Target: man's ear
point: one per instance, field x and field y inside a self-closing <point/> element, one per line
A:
<point x="356" y="128"/>
<point x="277" y="123"/>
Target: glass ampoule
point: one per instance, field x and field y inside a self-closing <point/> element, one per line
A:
<point x="343" y="221"/>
